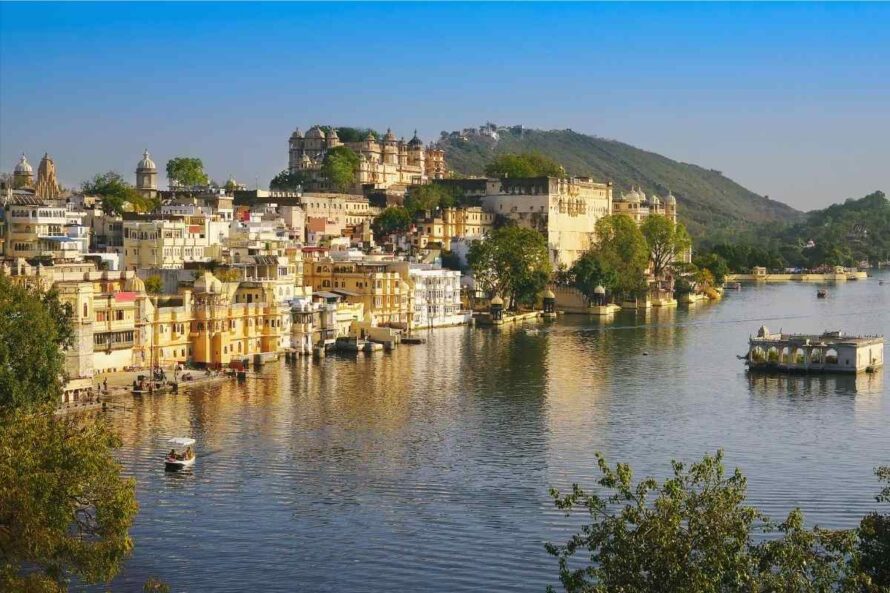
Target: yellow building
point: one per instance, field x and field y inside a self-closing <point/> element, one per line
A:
<point x="385" y="295"/>
<point x="171" y="243"/>
<point x="214" y="324"/>
<point x="468" y="224"/>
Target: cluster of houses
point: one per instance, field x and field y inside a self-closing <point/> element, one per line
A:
<point x="216" y="275"/>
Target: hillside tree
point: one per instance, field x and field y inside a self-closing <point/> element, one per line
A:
<point x="339" y="167"/>
<point x="524" y="164"/>
<point x="667" y="241"/>
<point x="186" y="172"/>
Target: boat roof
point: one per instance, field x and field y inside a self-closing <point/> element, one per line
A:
<point x="182" y="441"/>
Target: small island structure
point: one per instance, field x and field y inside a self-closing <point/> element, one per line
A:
<point x="830" y="352"/>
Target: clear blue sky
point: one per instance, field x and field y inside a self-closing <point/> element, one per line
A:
<point x="791" y="100"/>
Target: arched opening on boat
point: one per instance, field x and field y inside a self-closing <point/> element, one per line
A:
<point x="785" y="355"/>
<point x="758" y="354"/>
<point x="817" y="356"/>
<point x="831" y="356"/>
<point x="772" y="355"/>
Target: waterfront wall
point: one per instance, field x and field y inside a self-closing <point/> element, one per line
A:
<point x="832" y="277"/>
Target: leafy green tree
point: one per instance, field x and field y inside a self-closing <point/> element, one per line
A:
<point x="116" y="193"/>
<point x="154" y="285"/>
<point x="340" y="166"/>
<point x="622" y="250"/>
<point x="874" y="539"/>
<point x="589" y="271"/>
<point x="429" y="197"/>
<point x="715" y="264"/>
<point x="694" y="532"/>
<point x="524" y="164"/>
<point x="65" y="509"/>
<point x="33" y="326"/>
<point x="186" y="172"/>
<point x="512" y="262"/>
<point x="391" y="221"/>
<point x="667" y="241"/>
<point x="287" y="181"/>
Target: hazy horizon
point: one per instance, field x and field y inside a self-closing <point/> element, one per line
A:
<point x="791" y="101"/>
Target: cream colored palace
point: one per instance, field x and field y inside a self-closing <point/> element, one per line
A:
<point x="384" y="164"/>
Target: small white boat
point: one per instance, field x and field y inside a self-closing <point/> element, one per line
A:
<point x="182" y="453"/>
<point x="532" y="331"/>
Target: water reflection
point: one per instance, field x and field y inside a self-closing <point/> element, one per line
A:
<point x="789" y="385"/>
<point x="431" y="464"/>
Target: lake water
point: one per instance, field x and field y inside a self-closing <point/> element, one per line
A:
<point x="427" y="469"/>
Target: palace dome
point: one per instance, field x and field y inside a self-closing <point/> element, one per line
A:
<point x="315" y="133"/>
<point x="146" y="163"/>
<point x="298" y="133"/>
<point x="23" y="166"/>
<point x="415" y="142"/>
<point x="390" y="137"/>
<point x="655" y="200"/>
<point x="633" y="197"/>
<point x="548" y="294"/>
<point x="134" y="284"/>
<point x="671" y="199"/>
<point x="599" y="289"/>
<point x="497" y="300"/>
<point x="332" y="135"/>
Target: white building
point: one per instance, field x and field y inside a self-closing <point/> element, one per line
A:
<point x="436" y="295"/>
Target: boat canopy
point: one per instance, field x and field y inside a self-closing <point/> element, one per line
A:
<point x="181" y="442"/>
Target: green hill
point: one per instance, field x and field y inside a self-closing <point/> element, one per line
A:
<point x="712" y="206"/>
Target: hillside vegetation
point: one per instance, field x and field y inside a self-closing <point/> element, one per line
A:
<point x="712" y="206"/>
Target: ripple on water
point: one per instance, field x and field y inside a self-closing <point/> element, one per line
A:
<point x="428" y="468"/>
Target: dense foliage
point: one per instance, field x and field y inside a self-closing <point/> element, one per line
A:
<point x="710" y="205"/>
<point x="694" y="532"/>
<point x="116" y="193"/>
<point x="511" y="262"/>
<point x="590" y="271"/>
<point x="618" y="260"/>
<point x="32" y="327"/>
<point x="840" y="235"/>
<point x="348" y="134"/>
<point x="667" y="241"/>
<point x="186" y="172"/>
<point x="524" y="164"/>
<point x="430" y="197"/>
<point x="339" y="167"/>
<point x="391" y="221"/>
<point x="287" y="181"/>
<point x="65" y="509"/>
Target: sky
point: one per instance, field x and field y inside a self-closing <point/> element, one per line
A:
<point x="790" y="100"/>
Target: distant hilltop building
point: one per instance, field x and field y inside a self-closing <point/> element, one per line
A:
<point x="385" y="163"/>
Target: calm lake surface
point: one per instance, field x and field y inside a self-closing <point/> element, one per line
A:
<point x="427" y="469"/>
